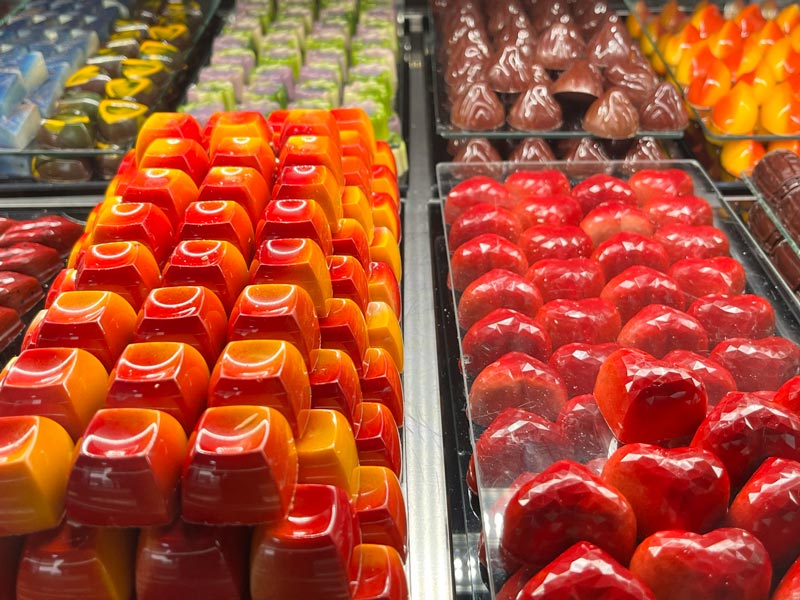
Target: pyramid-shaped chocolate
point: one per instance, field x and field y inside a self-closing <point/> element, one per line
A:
<point x="533" y="149"/>
<point x="585" y="150"/>
<point x="612" y="116"/>
<point x="645" y="148"/>
<point x="510" y="73"/>
<point x="559" y="45"/>
<point x="580" y="83"/>
<point x="663" y="110"/>
<point x="535" y="110"/>
<point x="635" y="80"/>
<point x="611" y="43"/>
<point x="478" y="109"/>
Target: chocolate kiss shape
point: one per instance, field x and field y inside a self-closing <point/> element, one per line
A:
<point x="535" y="110"/>
<point x="645" y="148"/>
<point x="509" y="73"/>
<point x="559" y="45"/>
<point x="479" y="109"/>
<point x="476" y="153"/>
<point x="581" y="82"/>
<point x="637" y="81"/>
<point x="589" y="16"/>
<point x="470" y="66"/>
<point x="503" y="15"/>
<point x="586" y="150"/>
<point x="663" y="110"/>
<point x="532" y="150"/>
<point x="523" y="39"/>
<point x="610" y="44"/>
<point x="546" y="12"/>
<point x="539" y="75"/>
<point x="612" y="116"/>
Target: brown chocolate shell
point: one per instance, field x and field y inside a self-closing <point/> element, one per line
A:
<point x="478" y="109"/>
<point x="535" y="110"/>
<point x="663" y="110"/>
<point x="612" y="116"/>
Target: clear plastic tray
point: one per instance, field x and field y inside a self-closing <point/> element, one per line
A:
<point x="762" y="279"/>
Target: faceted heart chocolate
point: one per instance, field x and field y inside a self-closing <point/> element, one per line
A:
<point x="670" y="488"/>
<point x="611" y="218"/>
<point x="535" y="110"/>
<point x="559" y="45"/>
<point x="612" y="116"/>
<point x="639" y="286"/>
<point x="700" y="277"/>
<point x="532" y="150"/>
<point x="764" y="507"/>
<point x="744" y="429"/>
<point x="666" y="209"/>
<point x="762" y="364"/>
<point x="663" y="110"/>
<point x="692" y="241"/>
<point x="580" y="83"/>
<point x="562" y="505"/>
<point x="590" y="320"/>
<point x="497" y="288"/>
<point x="599" y="189"/>
<point x="546" y="182"/>
<point x="502" y="331"/>
<point x="552" y="210"/>
<point x="789" y="586"/>
<point x="478" y="109"/>
<point x="724" y="563"/>
<point x="569" y="278"/>
<point x="583" y="425"/>
<point x="625" y="250"/>
<point x="649" y="184"/>
<point x="644" y="399"/>
<point x="716" y="378"/>
<point x="637" y="81"/>
<point x="484" y="218"/>
<point x="658" y="329"/>
<point x="516" y="380"/>
<point x="473" y="191"/>
<point x="578" y="363"/>
<point x="484" y="253"/>
<point x="724" y="317"/>
<point x="788" y="395"/>
<point x="542" y="242"/>
<point x="516" y="441"/>
<point x="585" y="569"/>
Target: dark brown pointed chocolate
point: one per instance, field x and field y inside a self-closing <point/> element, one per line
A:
<point x="645" y="149"/>
<point x="589" y="16"/>
<point x="535" y="110"/>
<point x="663" y="110"/>
<point x="637" y="81"/>
<point x="587" y="150"/>
<point x="475" y="155"/>
<point x="559" y="45"/>
<point x="612" y="116"/>
<point x="478" y="109"/>
<point x="510" y="73"/>
<point x="611" y="43"/>
<point x="581" y="83"/>
<point x="533" y="149"/>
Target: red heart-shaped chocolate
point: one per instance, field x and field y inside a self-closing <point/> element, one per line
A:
<point x="557" y="209"/>
<point x="578" y="364"/>
<point x="649" y="183"/>
<point x="611" y="218"/>
<point x="537" y="183"/>
<point x="498" y="288"/>
<point x="644" y="399"/>
<point x="717" y="379"/>
<point x="725" y="563"/>
<point x="789" y="587"/>
<point x="516" y="380"/>
<point x="744" y="429"/>
<point x="554" y="241"/>
<point x="670" y="488"/>
<point x="763" y="364"/>
<point x="474" y="191"/>
<point x="700" y="277"/>
<point x="484" y="218"/>
<point x="667" y="209"/>
<point x="482" y="254"/>
<point x="788" y="395"/>
<point x="516" y="441"/>
<point x="725" y="317"/>
<point x="585" y="571"/>
<point x="767" y="506"/>
<point x="569" y="278"/>
<point x="590" y="320"/>
<point x="692" y="241"/>
<point x="625" y="250"/>
<point x="658" y="329"/>
<point x="600" y="188"/>
<point x="502" y="331"/>
<point x="562" y="505"/>
<point x="638" y="286"/>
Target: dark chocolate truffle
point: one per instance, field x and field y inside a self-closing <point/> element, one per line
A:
<point x="663" y="110"/>
<point x="535" y="110"/>
<point x="775" y="174"/>
<point x="763" y="229"/>
<point x="478" y="109"/>
<point x="612" y="116"/>
<point x="559" y="45"/>
<point x="532" y="150"/>
<point x="581" y="82"/>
